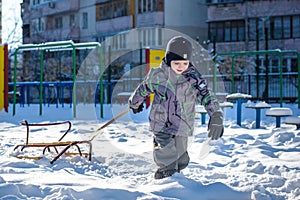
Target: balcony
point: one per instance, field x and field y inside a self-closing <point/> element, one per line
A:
<point x="60" y="7"/>
<point x="57" y="34"/>
<point x="114" y="24"/>
<point x="150" y="19"/>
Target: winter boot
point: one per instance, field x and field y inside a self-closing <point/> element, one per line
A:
<point x="160" y="174"/>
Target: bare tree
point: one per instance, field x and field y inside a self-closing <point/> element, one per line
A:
<point x="12" y="25"/>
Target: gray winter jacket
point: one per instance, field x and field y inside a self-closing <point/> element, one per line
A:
<point x="173" y="108"/>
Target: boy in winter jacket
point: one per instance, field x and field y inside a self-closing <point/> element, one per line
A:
<point x="177" y="86"/>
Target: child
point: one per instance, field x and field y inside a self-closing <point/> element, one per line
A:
<point x="177" y="86"/>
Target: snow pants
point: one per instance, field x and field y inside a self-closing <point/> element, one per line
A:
<point x="170" y="152"/>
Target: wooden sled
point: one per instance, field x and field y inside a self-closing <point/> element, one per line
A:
<point x="60" y="143"/>
<point x="65" y="145"/>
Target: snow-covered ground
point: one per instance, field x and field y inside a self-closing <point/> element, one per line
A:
<point x="247" y="163"/>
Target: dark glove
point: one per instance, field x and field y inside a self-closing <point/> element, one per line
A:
<point x="138" y="109"/>
<point x="215" y="125"/>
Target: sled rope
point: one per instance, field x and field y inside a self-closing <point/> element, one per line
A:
<point x="98" y="131"/>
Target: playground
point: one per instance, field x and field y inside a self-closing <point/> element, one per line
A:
<point x="64" y="114"/>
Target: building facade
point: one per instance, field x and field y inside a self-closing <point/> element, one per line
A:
<point x="95" y="20"/>
<point x="252" y="25"/>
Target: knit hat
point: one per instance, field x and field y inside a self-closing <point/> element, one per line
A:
<point x="178" y="48"/>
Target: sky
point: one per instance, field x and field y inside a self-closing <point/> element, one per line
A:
<point x="11" y="22"/>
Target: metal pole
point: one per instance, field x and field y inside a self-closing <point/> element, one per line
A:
<point x="15" y="82"/>
<point x="84" y="77"/>
<point x="232" y="74"/>
<point x="41" y="80"/>
<point x="108" y="94"/>
<point x="215" y="75"/>
<point x="101" y="81"/>
<point x="267" y="66"/>
<point x="74" y="81"/>
<point x="257" y="62"/>
<point x="280" y="81"/>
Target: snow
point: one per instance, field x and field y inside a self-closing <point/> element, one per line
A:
<point x="238" y="95"/>
<point x="279" y="112"/>
<point x="293" y="120"/>
<point x="226" y="104"/>
<point x="263" y="104"/>
<point x="246" y="163"/>
<point x="200" y="109"/>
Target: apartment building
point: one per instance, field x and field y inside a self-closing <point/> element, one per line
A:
<point x="251" y="25"/>
<point x="95" y="20"/>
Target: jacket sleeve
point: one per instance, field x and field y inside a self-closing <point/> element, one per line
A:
<point x="203" y="94"/>
<point x="143" y="90"/>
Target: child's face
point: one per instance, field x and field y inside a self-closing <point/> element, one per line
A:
<point x="179" y="66"/>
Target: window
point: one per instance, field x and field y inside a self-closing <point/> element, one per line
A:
<point x="84" y="20"/>
<point x="38" y="25"/>
<point x="220" y="32"/>
<point x="119" y="41"/>
<point x="36" y="2"/>
<point x="296" y="26"/>
<point x="227" y="31"/>
<point x="72" y="21"/>
<point x="150" y="5"/>
<point x="151" y="37"/>
<point x="286" y="27"/>
<point x="58" y="23"/>
<point x="234" y="31"/>
<point x="277" y="28"/>
<point x="112" y="9"/>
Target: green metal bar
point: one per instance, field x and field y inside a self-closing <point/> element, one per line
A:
<point x="74" y="100"/>
<point x="101" y="81"/>
<point x="41" y="80"/>
<point x="84" y="77"/>
<point x="59" y="45"/>
<point x="280" y="79"/>
<point x="215" y="77"/>
<point x="263" y="52"/>
<point x="108" y="94"/>
<point x="232" y="74"/>
<point x="15" y="82"/>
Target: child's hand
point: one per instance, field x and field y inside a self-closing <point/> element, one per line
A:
<point x="138" y="109"/>
<point x="215" y="126"/>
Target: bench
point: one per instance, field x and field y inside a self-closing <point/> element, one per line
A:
<point x="60" y="142"/>
<point x="238" y="97"/>
<point x="293" y="121"/>
<point x="258" y="107"/>
<point x="278" y="113"/>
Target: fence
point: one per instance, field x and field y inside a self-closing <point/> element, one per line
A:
<point x="256" y="86"/>
<point x="280" y="84"/>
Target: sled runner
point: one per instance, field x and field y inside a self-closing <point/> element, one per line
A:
<point x="65" y="145"/>
<point x="54" y="145"/>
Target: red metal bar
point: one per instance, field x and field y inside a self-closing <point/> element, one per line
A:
<point x="6" y="78"/>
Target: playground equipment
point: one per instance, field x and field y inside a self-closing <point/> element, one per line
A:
<point x="4" y="77"/>
<point x="58" y="46"/>
<point x="61" y="142"/>
<point x="153" y="60"/>
<point x="251" y="53"/>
